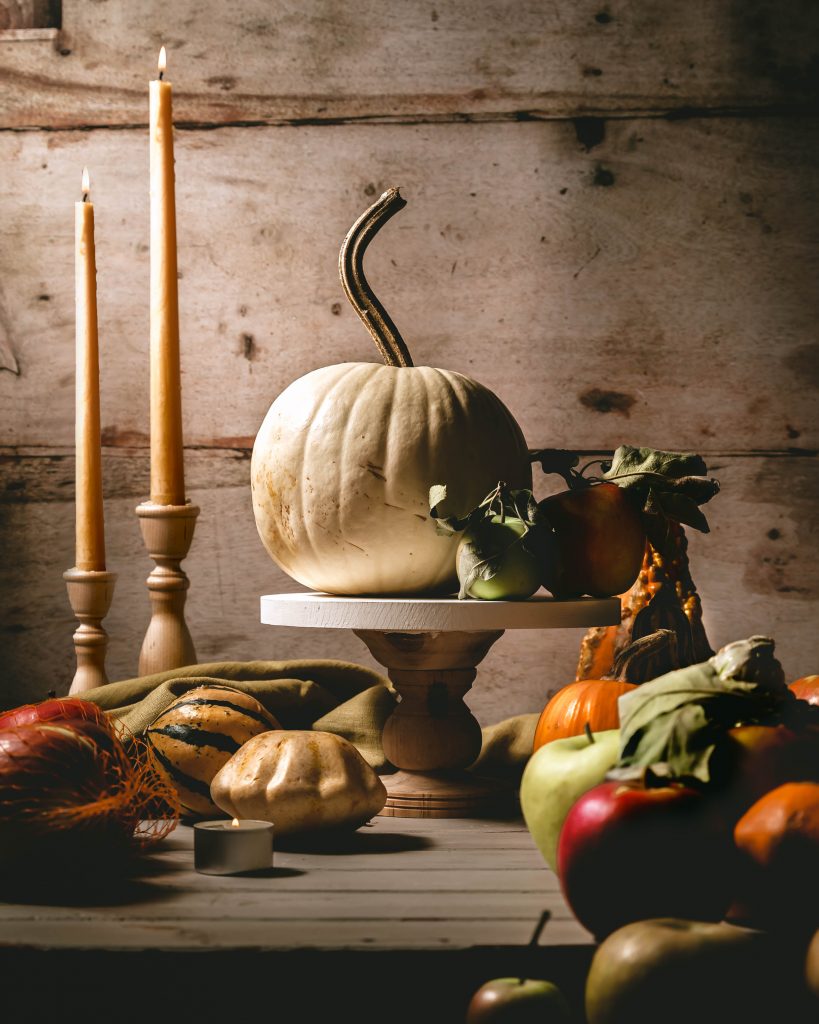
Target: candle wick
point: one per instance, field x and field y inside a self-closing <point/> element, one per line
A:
<point x="161" y="74"/>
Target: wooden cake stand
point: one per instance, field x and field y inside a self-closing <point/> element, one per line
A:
<point x="430" y="647"/>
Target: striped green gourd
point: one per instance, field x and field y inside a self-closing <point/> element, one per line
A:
<point x="197" y="734"/>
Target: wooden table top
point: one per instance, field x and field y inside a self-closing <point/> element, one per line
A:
<point x="401" y="924"/>
<point x="397" y="884"/>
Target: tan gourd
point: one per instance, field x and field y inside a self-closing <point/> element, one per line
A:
<point x="301" y="781"/>
<point x="344" y="460"/>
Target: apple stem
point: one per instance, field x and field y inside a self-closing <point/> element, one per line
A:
<point x="541" y="924"/>
<point x="589" y="733"/>
<point x="544" y="918"/>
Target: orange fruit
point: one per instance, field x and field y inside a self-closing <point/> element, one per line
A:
<point x="782" y="824"/>
<point x="778" y="843"/>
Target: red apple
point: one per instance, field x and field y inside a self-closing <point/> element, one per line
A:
<point x="758" y="758"/>
<point x="600" y="541"/>
<point x="627" y="852"/>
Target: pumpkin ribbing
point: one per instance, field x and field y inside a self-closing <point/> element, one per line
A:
<point x="343" y="463"/>
<point x="199" y="733"/>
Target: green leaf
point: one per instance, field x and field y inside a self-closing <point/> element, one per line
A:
<point x="437" y="496"/>
<point x="524" y="506"/>
<point x="669" y="486"/>
<point x="447" y="525"/>
<point x="751" y="659"/>
<point x="680" y="719"/>
<point x="479" y="558"/>
<point x="634" y="462"/>
<point x="683" y="509"/>
<point x="500" y="501"/>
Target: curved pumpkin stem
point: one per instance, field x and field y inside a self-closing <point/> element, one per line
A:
<point x="647" y="657"/>
<point x="350" y="266"/>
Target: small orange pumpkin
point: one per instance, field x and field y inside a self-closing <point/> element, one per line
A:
<point x="593" y="702"/>
<point x="586" y="701"/>
<point x="806" y="688"/>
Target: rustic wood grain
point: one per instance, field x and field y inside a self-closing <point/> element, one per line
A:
<point x="27" y="15"/>
<point x="332" y="933"/>
<point x="309" y="901"/>
<point x="625" y="252"/>
<point x="753" y="573"/>
<point x="319" y="60"/>
<point x="661" y="287"/>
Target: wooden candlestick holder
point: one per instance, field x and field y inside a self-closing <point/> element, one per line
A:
<point x="89" y="593"/>
<point x="167" y="531"/>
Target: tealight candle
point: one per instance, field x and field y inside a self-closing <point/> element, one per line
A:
<point x="229" y="848"/>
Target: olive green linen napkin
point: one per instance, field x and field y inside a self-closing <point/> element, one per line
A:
<point x="332" y="696"/>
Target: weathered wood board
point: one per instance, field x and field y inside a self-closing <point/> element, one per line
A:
<point x="660" y="288"/>
<point x="320" y="60"/>
<point x="406" y="885"/>
<point x="753" y="572"/>
<point x="612" y="221"/>
<point x="335" y="931"/>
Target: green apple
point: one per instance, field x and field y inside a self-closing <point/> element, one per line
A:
<point x="556" y="776"/>
<point x="518" y="1001"/>
<point x="519" y="571"/>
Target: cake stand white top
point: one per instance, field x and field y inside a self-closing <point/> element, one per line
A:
<point x="425" y="614"/>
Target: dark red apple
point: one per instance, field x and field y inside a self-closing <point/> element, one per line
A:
<point x="759" y="758"/>
<point x="600" y="541"/>
<point x="628" y="852"/>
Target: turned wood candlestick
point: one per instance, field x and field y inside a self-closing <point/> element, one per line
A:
<point x="89" y="593"/>
<point x="431" y="647"/>
<point x="167" y="531"/>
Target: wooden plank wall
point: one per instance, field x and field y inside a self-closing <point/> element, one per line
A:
<point x="612" y="220"/>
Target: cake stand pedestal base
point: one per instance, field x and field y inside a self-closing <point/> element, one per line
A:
<point x="431" y="736"/>
<point x="431" y="648"/>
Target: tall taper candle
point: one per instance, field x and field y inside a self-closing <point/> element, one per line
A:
<point x="167" y="469"/>
<point x="90" y="532"/>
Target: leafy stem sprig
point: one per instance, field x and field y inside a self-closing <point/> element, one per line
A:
<point x="666" y="486"/>
<point x="501" y="501"/>
<point x="480" y="556"/>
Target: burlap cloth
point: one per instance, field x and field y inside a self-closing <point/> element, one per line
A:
<point x="333" y="696"/>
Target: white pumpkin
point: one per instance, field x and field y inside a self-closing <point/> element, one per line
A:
<point x="302" y="781"/>
<point x="344" y="460"/>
